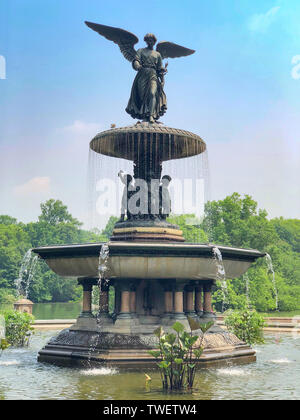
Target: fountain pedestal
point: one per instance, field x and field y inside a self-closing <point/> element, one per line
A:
<point x="149" y="281"/>
<point x="24" y="305"/>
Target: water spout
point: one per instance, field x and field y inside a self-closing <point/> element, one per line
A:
<point x="247" y="284"/>
<point x="221" y="275"/>
<point x="271" y="269"/>
<point x="102" y="274"/>
<point x="103" y="260"/>
<point x="26" y="273"/>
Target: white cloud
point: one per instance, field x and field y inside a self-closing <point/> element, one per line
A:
<point x="35" y="185"/>
<point x="80" y="127"/>
<point x="261" y="22"/>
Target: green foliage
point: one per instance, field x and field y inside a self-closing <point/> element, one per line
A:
<point x="7" y="220"/>
<point x="237" y="221"/>
<point x="107" y="231"/>
<point x="289" y="231"/>
<point x="54" y="212"/>
<point x="3" y="345"/>
<point x="191" y="228"/>
<point x="7" y="296"/>
<point x="55" y="226"/>
<point x="247" y="325"/>
<point x="178" y="353"/>
<point x="18" y="327"/>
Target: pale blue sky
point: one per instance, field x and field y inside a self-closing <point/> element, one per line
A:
<point x="64" y="83"/>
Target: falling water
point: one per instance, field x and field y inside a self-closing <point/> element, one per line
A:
<point x="189" y="188"/>
<point x="221" y="275"/>
<point x="26" y="273"/>
<point x="102" y="271"/>
<point x="271" y="269"/>
<point x="247" y="284"/>
<point x="103" y="260"/>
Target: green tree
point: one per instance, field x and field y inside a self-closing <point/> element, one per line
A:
<point x="108" y="230"/>
<point x="14" y="242"/>
<point x="55" y="212"/>
<point x="7" y="220"/>
<point x="190" y="226"/>
<point x="237" y="221"/>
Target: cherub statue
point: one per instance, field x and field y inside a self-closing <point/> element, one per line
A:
<point x="147" y="100"/>
<point x="126" y="179"/>
<point x="164" y="197"/>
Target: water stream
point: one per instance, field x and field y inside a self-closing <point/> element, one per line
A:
<point x="247" y="287"/>
<point x="221" y="275"/>
<point x="102" y="277"/>
<point x="26" y="274"/>
<point x="271" y="269"/>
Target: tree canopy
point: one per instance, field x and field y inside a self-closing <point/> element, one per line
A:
<point x="234" y="221"/>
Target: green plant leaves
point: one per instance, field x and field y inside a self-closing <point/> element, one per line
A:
<point x="178" y="327"/>
<point x="178" y="356"/>
<point x="205" y="327"/>
<point x="154" y="353"/>
<point x="158" y="332"/>
<point x="194" y="325"/>
<point x="18" y="327"/>
<point x="4" y="344"/>
<point x="170" y="338"/>
<point x="163" y="364"/>
<point x="247" y="325"/>
<point x="198" y="352"/>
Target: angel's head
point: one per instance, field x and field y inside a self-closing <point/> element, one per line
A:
<point x="150" y="40"/>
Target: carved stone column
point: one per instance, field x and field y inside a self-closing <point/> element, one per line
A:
<point x="87" y="285"/>
<point x="104" y="299"/>
<point x="125" y="309"/>
<point x="168" y="287"/>
<point x="178" y="302"/>
<point x="207" y="308"/>
<point x="199" y="300"/>
<point x="132" y="297"/>
<point x="190" y="305"/>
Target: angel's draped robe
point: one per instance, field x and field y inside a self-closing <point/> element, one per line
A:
<point x="147" y="95"/>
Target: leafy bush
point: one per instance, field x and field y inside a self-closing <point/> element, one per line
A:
<point x="247" y="325"/>
<point x="7" y="296"/>
<point x="18" y="327"/>
<point x="3" y="345"/>
<point x="177" y="354"/>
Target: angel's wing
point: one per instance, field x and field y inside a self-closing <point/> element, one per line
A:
<point x="124" y="39"/>
<point x="171" y="50"/>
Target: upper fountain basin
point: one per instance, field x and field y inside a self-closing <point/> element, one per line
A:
<point x="148" y="260"/>
<point x="165" y="143"/>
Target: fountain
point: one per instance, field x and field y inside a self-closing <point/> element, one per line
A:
<point x="157" y="277"/>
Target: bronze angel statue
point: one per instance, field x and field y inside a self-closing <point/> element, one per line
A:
<point x="147" y="101"/>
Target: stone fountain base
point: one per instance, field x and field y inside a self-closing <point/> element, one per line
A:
<point x="86" y="346"/>
<point x="154" y="284"/>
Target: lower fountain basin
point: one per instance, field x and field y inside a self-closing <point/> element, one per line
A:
<point x="148" y="260"/>
<point x="149" y="281"/>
